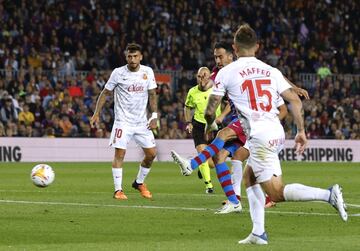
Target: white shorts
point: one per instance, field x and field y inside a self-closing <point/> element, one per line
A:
<point x="121" y="135"/>
<point x="246" y="145"/>
<point x="264" y="148"/>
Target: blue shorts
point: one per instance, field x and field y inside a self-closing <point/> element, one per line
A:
<point x="232" y="146"/>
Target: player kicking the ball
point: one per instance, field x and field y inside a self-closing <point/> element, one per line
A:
<point x="132" y="86"/>
<point x="253" y="87"/>
<point x="234" y="138"/>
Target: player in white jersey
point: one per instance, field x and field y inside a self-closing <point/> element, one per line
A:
<point x="253" y="86"/>
<point x="132" y="87"/>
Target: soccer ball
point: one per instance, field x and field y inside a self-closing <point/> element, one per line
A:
<point x="42" y="175"/>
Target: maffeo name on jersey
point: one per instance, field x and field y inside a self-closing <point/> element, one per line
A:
<point x="257" y="71"/>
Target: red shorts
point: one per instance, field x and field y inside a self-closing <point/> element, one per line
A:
<point x="237" y="128"/>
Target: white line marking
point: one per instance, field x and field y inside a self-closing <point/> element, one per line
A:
<point x="157" y="194"/>
<point x="353" y="205"/>
<point x="156" y="207"/>
<point x="41" y="190"/>
<point x="99" y="205"/>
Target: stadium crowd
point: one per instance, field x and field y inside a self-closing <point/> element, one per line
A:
<point x="55" y="57"/>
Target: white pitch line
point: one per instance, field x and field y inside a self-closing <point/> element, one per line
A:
<point x="155" y="207"/>
<point x="99" y="205"/>
<point x="158" y="194"/>
<point x="41" y="190"/>
<point x="353" y="205"/>
<point x="166" y="194"/>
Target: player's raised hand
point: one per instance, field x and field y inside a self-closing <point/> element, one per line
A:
<point x="94" y="121"/>
<point x="152" y="124"/>
<point x="302" y="93"/>
<point x="300" y="142"/>
<point x="189" y="128"/>
<point x="152" y="121"/>
<point x="205" y="79"/>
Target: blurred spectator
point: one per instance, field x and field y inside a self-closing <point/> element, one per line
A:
<point x="2" y="130"/>
<point x="65" y="125"/>
<point x="55" y="58"/>
<point x="50" y="133"/>
<point x="26" y="116"/>
<point x="8" y="112"/>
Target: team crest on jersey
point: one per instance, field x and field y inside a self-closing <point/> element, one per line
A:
<point x="144" y="76"/>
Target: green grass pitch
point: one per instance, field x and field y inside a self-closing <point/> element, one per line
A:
<point x="77" y="212"/>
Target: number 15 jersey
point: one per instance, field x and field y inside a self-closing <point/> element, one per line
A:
<point x="253" y="87"/>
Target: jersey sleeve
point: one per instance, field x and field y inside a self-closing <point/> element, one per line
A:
<point x="111" y="83"/>
<point x="219" y="88"/>
<point x="281" y="82"/>
<point x="151" y="79"/>
<point x="279" y="101"/>
<point x="189" y="99"/>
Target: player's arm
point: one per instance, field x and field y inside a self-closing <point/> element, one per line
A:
<point x="297" y="112"/>
<point x="99" y="105"/>
<point x="223" y="114"/>
<point x="153" y="103"/>
<point x="213" y="103"/>
<point x="283" y="111"/>
<point x="299" y="91"/>
<point x="188" y="118"/>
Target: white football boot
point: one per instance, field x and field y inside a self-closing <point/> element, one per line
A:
<point x="185" y="165"/>
<point x="255" y="239"/>
<point x="337" y="201"/>
<point x="229" y="207"/>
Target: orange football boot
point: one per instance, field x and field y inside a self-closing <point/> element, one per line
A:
<point x="119" y="195"/>
<point x="142" y="189"/>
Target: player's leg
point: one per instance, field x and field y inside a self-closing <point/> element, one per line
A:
<point x="256" y="200"/>
<point x="224" y="176"/>
<point x="145" y="165"/>
<point x="265" y="170"/>
<point x="262" y="164"/>
<point x="213" y="148"/>
<point x="239" y="156"/>
<point x="204" y="169"/>
<point x="120" y="136"/>
<point x="144" y="138"/>
<point x="227" y="133"/>
<point x="117" y="173"/>
<point x="279" y="192"/>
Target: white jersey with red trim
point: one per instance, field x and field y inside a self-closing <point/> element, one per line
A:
<point x="131" y="93"/>
<point x="253" y="87"/>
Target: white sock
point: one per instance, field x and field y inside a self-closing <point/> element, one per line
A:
<point x="299" y="192"/>
<point x="237" y="176"/>
<point x="117" y="175"/>
<point x="143" y="172"/>
<point x="257" y="212"/>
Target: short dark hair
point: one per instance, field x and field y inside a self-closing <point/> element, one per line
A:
<point x="245" y="36"/>
<point x="133" y="47"/>
<point x="223" y="45"/>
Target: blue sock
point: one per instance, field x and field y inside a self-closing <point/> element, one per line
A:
<point x="224" y="177"/>
<point x="209" y="151"/>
